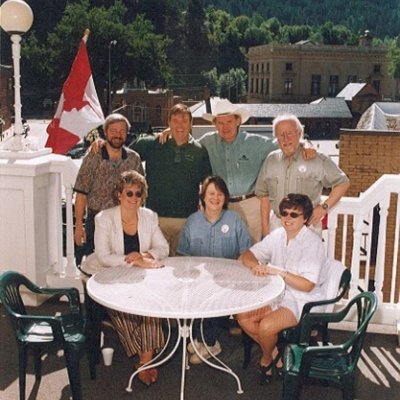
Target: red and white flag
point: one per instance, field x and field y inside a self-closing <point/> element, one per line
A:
<point x="79" y="109"/>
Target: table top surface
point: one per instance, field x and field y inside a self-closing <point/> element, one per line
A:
<point x="187" y="287"/>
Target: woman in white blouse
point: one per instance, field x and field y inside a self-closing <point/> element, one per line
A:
<point x="129" y="235"/>
<point x="295" y="253"/>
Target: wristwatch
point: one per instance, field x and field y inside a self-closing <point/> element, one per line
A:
<point x="325" y="206"/>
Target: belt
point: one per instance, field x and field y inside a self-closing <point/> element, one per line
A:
<point x="241" y="198"/>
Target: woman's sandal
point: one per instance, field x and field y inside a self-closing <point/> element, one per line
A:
<point x="145" y="376"/>
<point x="278" y="370"/>
<point x="265" y="377"/>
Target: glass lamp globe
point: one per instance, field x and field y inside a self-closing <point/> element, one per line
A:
<point x="16" y="16"/>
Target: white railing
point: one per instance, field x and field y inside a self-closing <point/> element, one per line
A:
<point x="349" y="237"/>
<point x="368" y="242"/>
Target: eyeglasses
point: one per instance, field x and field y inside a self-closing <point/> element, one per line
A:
<point x="137" y="194"/>
<point x="291" y="214"/>
<point x="283" y="135"/>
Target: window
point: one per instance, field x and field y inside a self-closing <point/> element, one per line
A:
<point x="288" y="86"/>
<point x="289" y="67"/>
<point x="377" y="68"/>
<point x="262" y="86"/>
<point x="256" y="86"/>
<point x="377" y="85"/>
<point x="251" y="85"/>
<point x="252" y="67"/>
<point x="138" y="112"/>
<point x="351" y="78"/>
<point x="267" y="68"/>
<point x="267" y="86"/>
<point x="257" y="67"/>
<point x="315" y="85"/>
<point x="158" y="112"/>
<point x="333" y="85"/>
<point x="262" y="67"/>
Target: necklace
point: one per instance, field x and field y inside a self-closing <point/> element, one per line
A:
<point x="129" y="223"/>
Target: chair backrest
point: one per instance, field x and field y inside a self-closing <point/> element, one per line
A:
<point x="335" y="284"/>
<point x="366" y="303"/>
<point x="10" y="283"/>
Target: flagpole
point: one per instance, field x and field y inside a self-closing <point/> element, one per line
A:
<point x="86" y="35"/>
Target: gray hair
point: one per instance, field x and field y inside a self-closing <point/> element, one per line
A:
<point x="287" y="117"/>
<point x="116" y="118"/>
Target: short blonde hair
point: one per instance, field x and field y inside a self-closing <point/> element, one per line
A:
<point x="130" y="178"/>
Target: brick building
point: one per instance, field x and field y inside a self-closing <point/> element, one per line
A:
<point x="366" y="155"/>
<point x="302" y="72"/>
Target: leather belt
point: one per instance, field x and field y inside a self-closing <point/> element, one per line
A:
<point x="241" y="198"/>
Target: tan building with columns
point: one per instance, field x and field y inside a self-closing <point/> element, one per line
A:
<point x="302" y="72"/>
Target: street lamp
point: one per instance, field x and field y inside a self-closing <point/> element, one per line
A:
<point x="112" y="43"/>
<point x="16" y="18"/>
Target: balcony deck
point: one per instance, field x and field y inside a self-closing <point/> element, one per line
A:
<point x="378" y="374"/>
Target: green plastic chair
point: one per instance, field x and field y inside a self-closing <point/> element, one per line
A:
<point x="35" y="332"/>
<point x="335" y="291"/>
<point x="336" y="363"/>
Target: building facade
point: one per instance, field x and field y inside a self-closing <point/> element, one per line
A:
<point x="303" y="72"/>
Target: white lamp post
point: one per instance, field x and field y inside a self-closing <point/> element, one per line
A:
<point x="16" y="18"/>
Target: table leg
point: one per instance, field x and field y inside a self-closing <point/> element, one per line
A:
<point x="222" y="367"/>
<point x="184" y="330"/>
<point x="154" y="363"/>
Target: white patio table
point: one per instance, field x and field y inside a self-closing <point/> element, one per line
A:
<point x="187" y="288"/>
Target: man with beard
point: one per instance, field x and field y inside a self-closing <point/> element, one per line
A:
<point x="97" y="176"/>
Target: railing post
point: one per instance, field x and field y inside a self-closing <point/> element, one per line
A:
<point x="355" y="256"/>
<point x="70" y="270"/>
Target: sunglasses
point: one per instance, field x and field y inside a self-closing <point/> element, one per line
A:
<point x="291" y="214"/>
<point x="137" y="194"/>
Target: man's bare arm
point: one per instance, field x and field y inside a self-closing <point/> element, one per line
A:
<point x="80" y="211"/>
<point x="334" y="196"/>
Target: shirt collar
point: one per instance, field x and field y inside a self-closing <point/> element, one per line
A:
<point x="296" y="155"/>
<point x="106" y="156"/>
<point x="299" y="237"/>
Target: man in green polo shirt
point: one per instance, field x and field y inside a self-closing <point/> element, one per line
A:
<point x="174" y="172"/>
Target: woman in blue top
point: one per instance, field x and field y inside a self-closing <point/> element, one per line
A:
<point x="213" y="231"/>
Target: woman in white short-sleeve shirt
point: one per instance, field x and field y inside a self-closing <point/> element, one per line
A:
<point x="295" y="253"/>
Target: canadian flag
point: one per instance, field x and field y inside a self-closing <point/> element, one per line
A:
<point x="79" y="110"/>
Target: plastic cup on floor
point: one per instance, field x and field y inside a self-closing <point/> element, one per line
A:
<point x="108" y="353"/>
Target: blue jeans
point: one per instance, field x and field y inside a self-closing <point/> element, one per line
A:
<point x="212" y="328"/>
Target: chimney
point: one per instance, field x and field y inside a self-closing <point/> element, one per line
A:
<point x="366" y="39"/>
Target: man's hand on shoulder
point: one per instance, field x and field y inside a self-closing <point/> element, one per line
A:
<point x="96" y="146"/>
<point x="163" y="136"/>
<point x="309" y="151"/>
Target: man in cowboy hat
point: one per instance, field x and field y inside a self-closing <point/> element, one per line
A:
<point x="237" y="158"/>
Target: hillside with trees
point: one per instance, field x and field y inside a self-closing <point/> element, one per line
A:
<point x="184" y="43"/>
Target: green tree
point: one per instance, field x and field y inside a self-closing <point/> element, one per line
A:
<point x="140" y="53"/>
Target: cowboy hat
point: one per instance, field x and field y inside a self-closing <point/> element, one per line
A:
<point x="225" y="107"/>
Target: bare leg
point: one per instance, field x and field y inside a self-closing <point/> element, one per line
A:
<point x="264" y="325"/>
